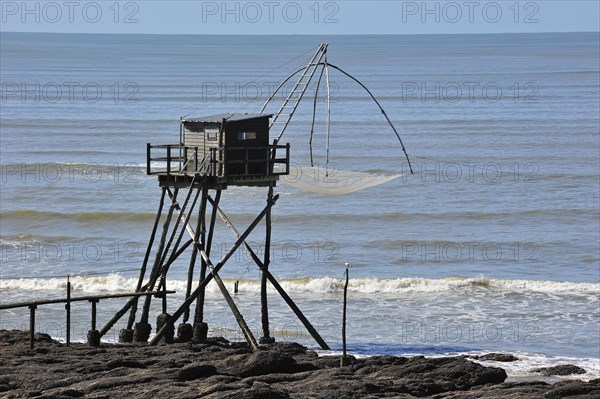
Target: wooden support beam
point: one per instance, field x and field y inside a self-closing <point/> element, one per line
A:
<point x="276" y="285"/>
<point x="157" y="262"/>
<point x="199" y="313"/>
<point x="68" y="309"/>
<point x="32" y="325"/>
<point x="213" y="272"/>
<point x="263" y="281"/>
<point x="94" y="303"/>
<point x="179" y="219"/>
<point x="198" y="240"/>
<point x="146" y="258"/>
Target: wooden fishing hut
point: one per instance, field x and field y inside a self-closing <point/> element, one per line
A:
<point x="213" y="153"/>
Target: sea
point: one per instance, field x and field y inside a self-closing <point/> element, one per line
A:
<point x="492" y="244"/>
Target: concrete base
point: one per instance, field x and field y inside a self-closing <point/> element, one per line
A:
<point x="200" y="332"/>
<point x="185" y="332"/>
<point x="169" y="336"/>
<point x="141" y="332"/>
<point x="125" y="335"/>
<point x="266" y="340"/>
<point x="93" y="338"/>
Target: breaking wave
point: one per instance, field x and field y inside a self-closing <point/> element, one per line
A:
<point x="116" y="283"/>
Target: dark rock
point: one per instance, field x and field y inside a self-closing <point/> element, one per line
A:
<point x="219" y="369"/>
<point x="113" y="364"/>
<point x="262" y="362"/>
<point x="69" y="393"/>
<point x="196" y="371"/>
<point x="496" y="357"/>
<point x="575" y="388"/>
<point x="258" y="390"/>
<point x="562" y="369"/>
<point x="41" y="337"/>
<point x="95" y="352"/>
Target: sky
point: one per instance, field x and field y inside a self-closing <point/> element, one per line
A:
<point x="300" y="17"/>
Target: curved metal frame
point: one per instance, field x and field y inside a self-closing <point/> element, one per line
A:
<point x="325" y="65"/>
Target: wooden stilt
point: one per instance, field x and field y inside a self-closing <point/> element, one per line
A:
<point x="179" y="219"/>
<point x="213" y="272"/>
<point x="266" y="338"/>
<point x="343" y="359"/>
<point x="199" y="314"/>
<point x="68" y="309"/>
<point x="146" y="257"/>
<point x="165" y="266"/>
<point x="199" y="238"/>
<point x="94" y="303"/>
<point x="157" y="264"/>
<point x="32" y="325"/>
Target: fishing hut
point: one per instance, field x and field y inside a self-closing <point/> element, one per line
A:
<point x="212" y="154"/>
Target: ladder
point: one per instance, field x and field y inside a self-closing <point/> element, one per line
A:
<point x="282" y="117"/>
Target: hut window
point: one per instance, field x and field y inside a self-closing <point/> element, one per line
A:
<point x="247" y="136"/>
<point x="212" y="134"/>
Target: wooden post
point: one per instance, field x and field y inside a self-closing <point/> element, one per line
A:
<point x="266" y="338"/>
<point x="93" y="335"/>
<point x="199" y="314"/>
<point x="146" y="258"/>
<point x="180" y="217"/>
<point x="199" y="238"/>
<point x="148" y="158"/>
<point x="156" y="267"/>
<point x="93" y="302"/>
<point x="164" y="297"/>
<point x="343" y="359"/>
<point x="68" y="308"/>
<point x="32" y="325"/>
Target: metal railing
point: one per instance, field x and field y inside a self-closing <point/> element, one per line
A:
<point x="93" y="299"/>
<point x="178" y="159"/>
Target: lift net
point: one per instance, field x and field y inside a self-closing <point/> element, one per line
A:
<point x="334" y="181"/>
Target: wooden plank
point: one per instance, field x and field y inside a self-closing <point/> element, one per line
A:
<point x="81" y="298"/>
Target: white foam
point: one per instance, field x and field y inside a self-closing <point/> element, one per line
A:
<point x="522" y="368"/>
<point x="116" y="283"/>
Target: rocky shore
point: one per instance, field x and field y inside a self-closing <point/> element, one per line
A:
<point x="219" y="369"/>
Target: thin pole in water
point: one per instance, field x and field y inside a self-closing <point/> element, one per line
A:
<point x="343" y="359"/>
<point x="68" y="308"/>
